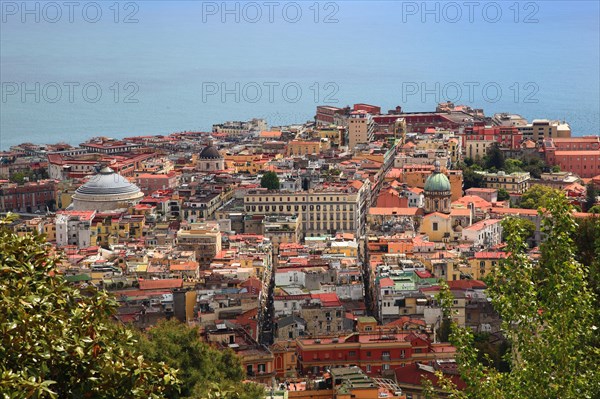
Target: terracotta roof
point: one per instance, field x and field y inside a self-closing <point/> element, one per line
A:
<point x="475" y="199"/>
<point x="329" y="299"/>
<point x="490" y="255"/>
<point x="270" y="135"/>
<point x="160" y="284"/>
<point x="386" y="282"/>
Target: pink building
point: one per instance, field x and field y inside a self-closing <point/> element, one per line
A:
<point x="579" y="155"/>
<point x="150" y="183"/>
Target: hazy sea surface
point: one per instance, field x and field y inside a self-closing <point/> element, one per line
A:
<point x="164" y="67"/>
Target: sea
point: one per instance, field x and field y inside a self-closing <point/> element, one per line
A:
<point x="73" y="70"/>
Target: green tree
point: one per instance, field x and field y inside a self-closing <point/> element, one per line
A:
<point x="591" y="195"/>
<point x="594" y="209"/>
<point x="537" y="196"/>
<point x="513" y="165"/>
<point x="57" y="341"/>
<point x="270" y="180"/>
<point x="203" y="370"/>
<point x="535" y="167"/>
<point x="528" y="229"/>
<point x="470" y="177"/>
<point x="547" y="311"/>
<point x="587" y="242"/>
<point x="503" y="195"/>
<point x="494" y="157"/>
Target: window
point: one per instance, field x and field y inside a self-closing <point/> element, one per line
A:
<point x="368" y="368"/>
<point x="352" y="353"/>
<point x="435" y="226"/>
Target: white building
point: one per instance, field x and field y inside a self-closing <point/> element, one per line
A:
<point x="74" y="228"/>
<point x="485" y="233"/>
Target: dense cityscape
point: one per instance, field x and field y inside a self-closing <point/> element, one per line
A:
<point x="316" y="252"/>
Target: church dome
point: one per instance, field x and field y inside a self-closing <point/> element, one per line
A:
<point x="210" y="152"/>
<point x="107" y="182"/>
<point x="106" y="190"/>
<point x="437" y="182"/>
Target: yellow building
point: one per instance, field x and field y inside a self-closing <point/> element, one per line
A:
<point x="482" y="263"/>
<point x="244" y="163"/>
<point x="298" y="147"/>
<point x="347" y="248"/>
<point x="477" y="149"/>
<point x="114" y="229"/>
<point x="332" y="133"/>
<point x="50" y="231"/>
<point x="440" y="227"/>
<point x="31" y="226"/>
<point x="454" y="150"/>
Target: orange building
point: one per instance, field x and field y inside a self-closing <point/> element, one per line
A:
<point x="391" y="198"/>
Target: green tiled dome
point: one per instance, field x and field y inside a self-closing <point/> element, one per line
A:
<point x="438" y="181"/>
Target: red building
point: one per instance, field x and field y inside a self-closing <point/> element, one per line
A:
<point x="373" y="353"/>
<point x="326" y="114"/>
<point x="149" y="183"/>
<point x="579" y="155"/>
<point x="371" y="109"/>
<point x="505" y="136"/>
<point x="28" y="197"/>
<point x="418" y="122"/>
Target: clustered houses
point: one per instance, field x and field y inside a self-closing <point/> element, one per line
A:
<point x="330" y="277"/>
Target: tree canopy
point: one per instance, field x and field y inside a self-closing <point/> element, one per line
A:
<point x="57" y="341"/>
<point x="270" y="180"/>
<point x="548" y="312"/>
<point x="591" y="195"/>
<point x="203" y="369"/>
<point x="537" y="196"/>
<point x="494" y="158"/>
<point x="503" y="195"/>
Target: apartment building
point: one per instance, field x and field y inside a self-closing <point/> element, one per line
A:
<point x="326" y="210"/>
<point x="541" y="129"/>
<point x="202" y="238"/>
<point x="75" y="228"/>
<point x="516" y="182"/>
<point x="360" y="128"/>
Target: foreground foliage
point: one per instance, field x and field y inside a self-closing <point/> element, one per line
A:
<point x="204" y="371"/>
<point x="57" y="341"/>
<point x="548" y="312"/>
